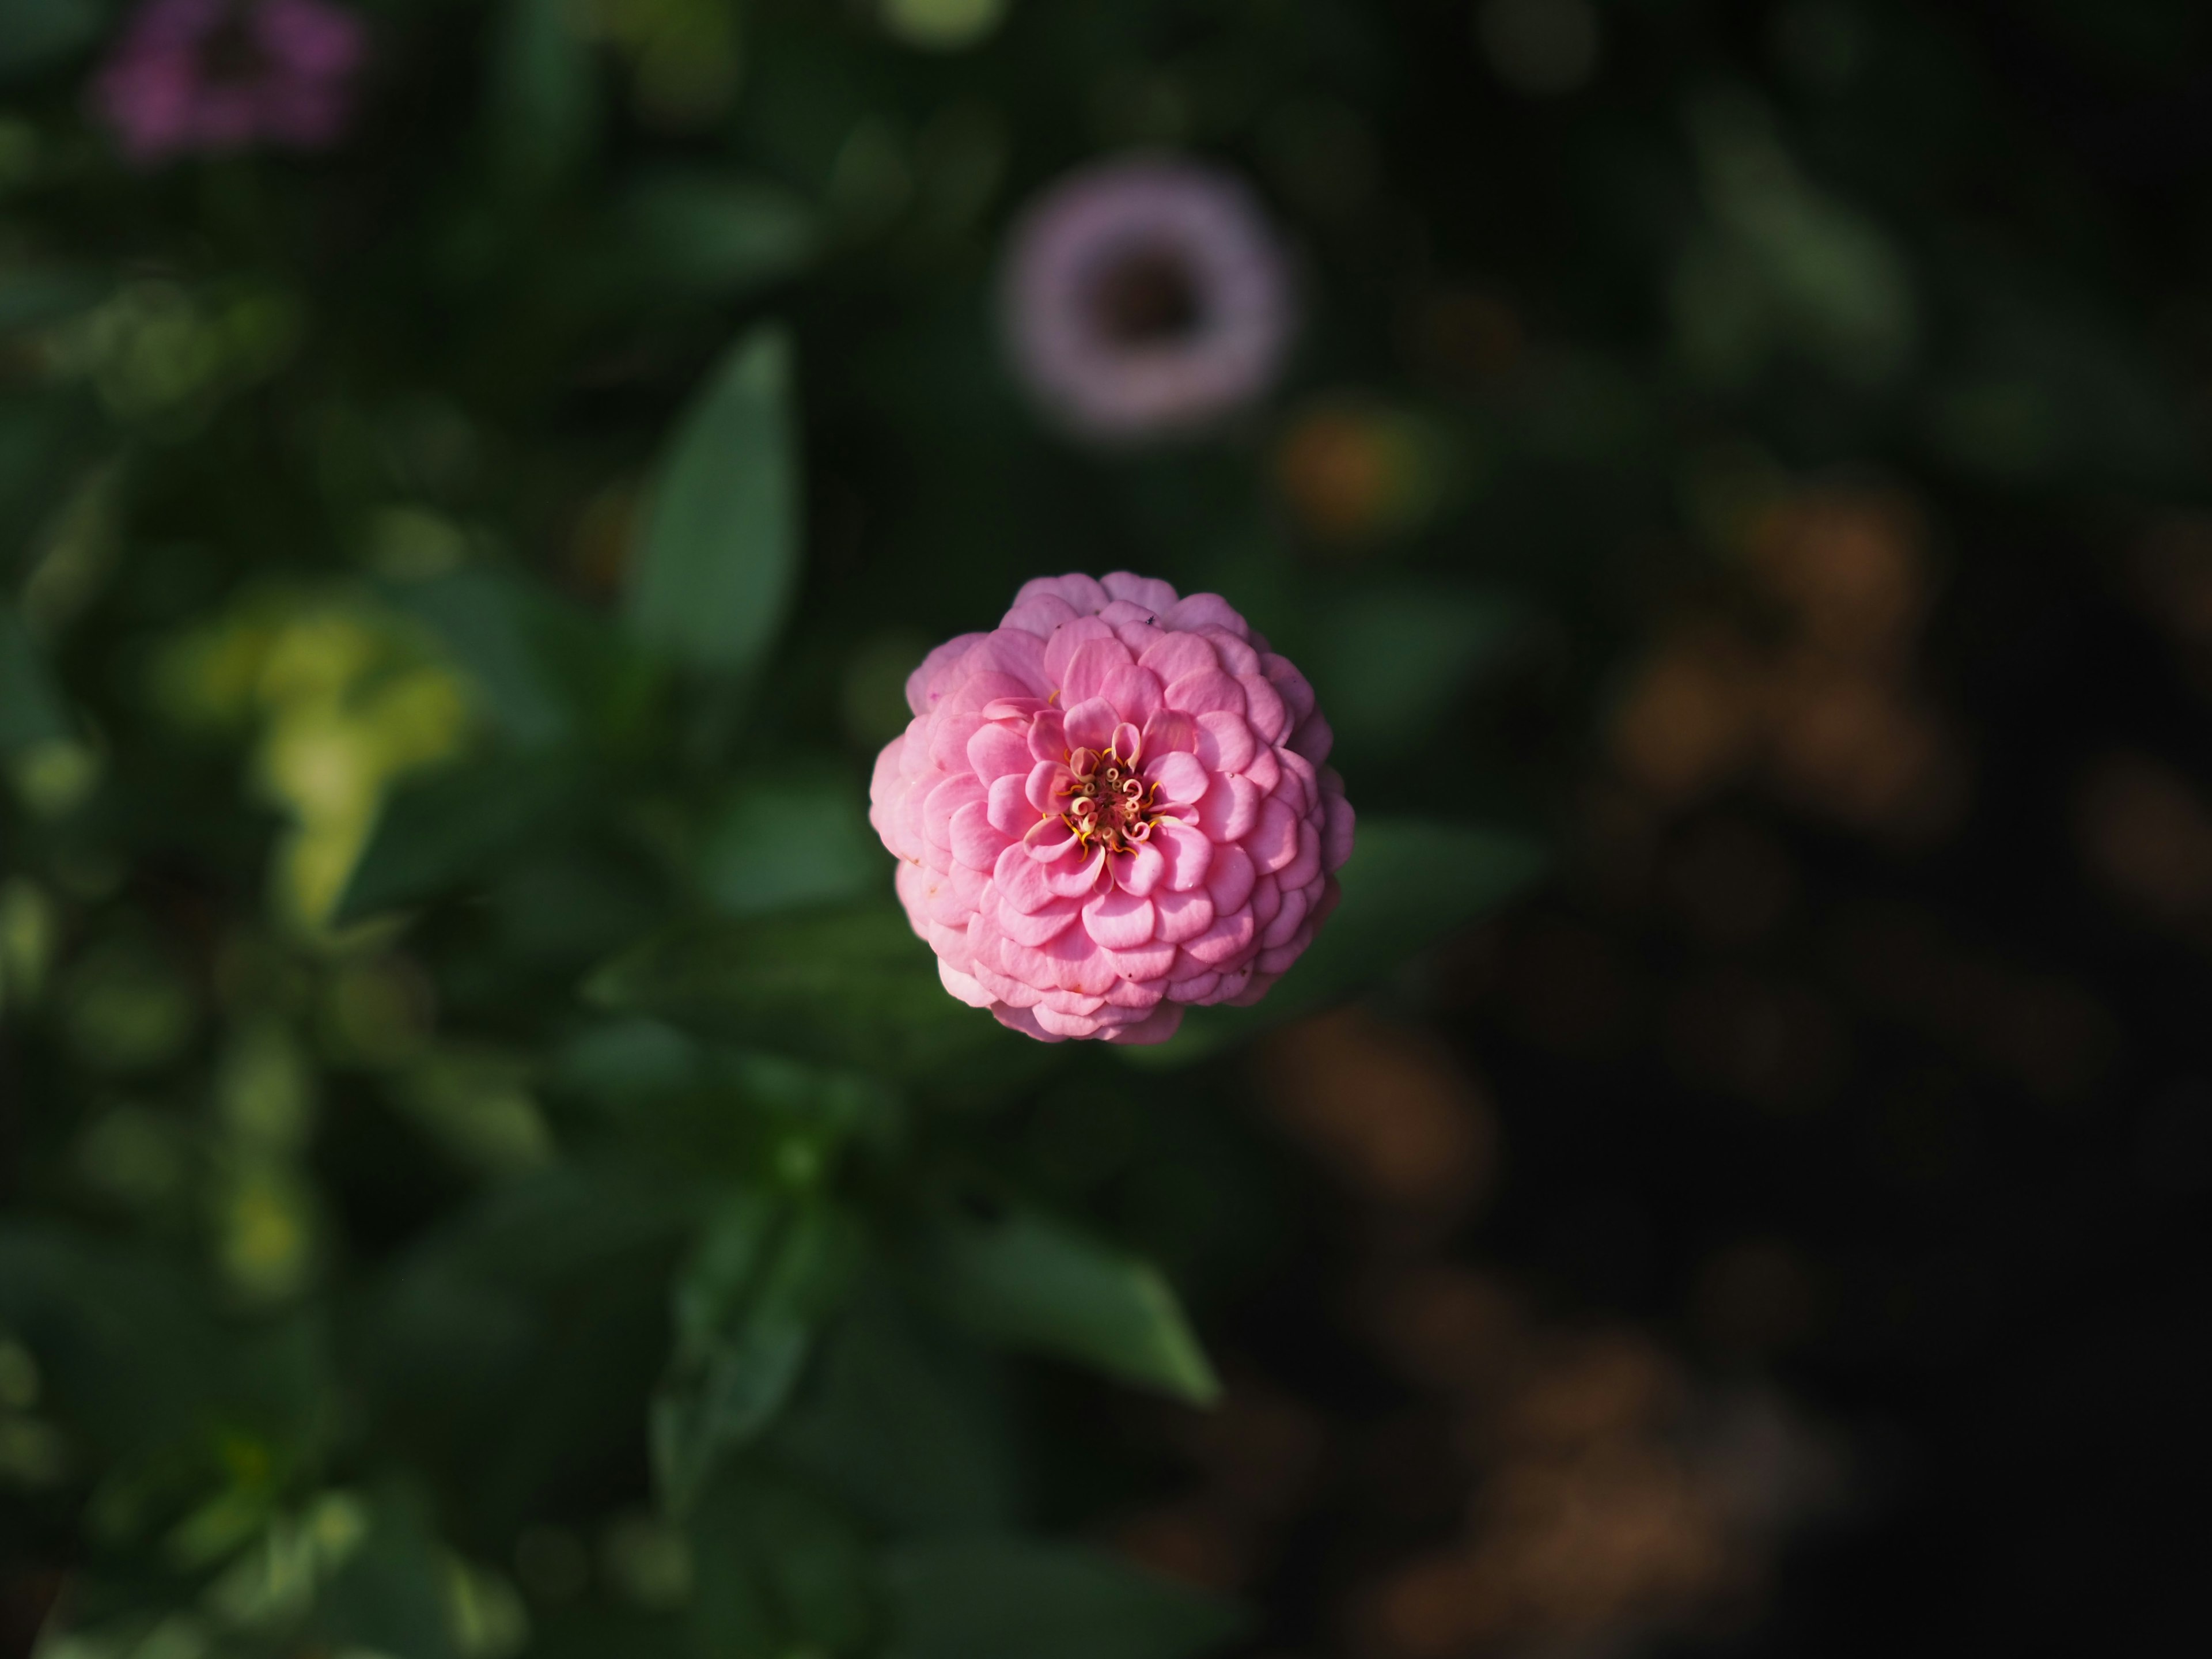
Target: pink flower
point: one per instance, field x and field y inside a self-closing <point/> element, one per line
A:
<point x="1112" y="805"/>
<point x="1143" y="298"/>
<point x="225" y="75"/>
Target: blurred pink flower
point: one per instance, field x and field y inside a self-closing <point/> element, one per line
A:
<point x="1110" y="806"/>
<point x="225" y="75"/>
<point x="1147" y="297"/>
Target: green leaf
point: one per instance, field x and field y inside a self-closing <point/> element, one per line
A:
<point x="456" y="825"/>
<point x="545" y="96"/>
<point x="768" y="1269"/>
<point x="1032" y="1282"/>
<point x="905" y="1422"/>
<point x="1410" y="882"/>
<point x="781" y="843"/>
<point x="1016" y="1599"/>
<point x="31" y="711"/>
<point x="390" y="1594"/>
<point x="851" y="987"/>
<point x="693" y="233"/>
<point x="719" y="561"/>
<point x="779" y="1573"/>
<point x="1398" y="659"/>
<point x="37" y="295"/>
<point x="37" y="34"/>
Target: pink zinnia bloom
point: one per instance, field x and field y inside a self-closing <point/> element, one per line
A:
<point x="1110" y="806"/>
<point x="1144" y="298"/>
<point x="225" y="75"/>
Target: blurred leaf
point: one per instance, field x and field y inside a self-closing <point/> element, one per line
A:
<point x="44" y="438"/>
<point x="767" y="1272"/>
<point x="719" y="561"/>
<point x="904" y="1423"/>
<point x="706" y="235"/>
<point x="1410" y="882"/>
<point x="130" y="1357"/>
<point x="31" y="710"/>
<point x="545" y="96"/>
<point x="453" y="826"/>
<point x="499" y="629"/>
<point x="390" y="1594"/>
<point x="853" y="987"/>
<point x="1015" y="1599"/>
<point x="1399" y="658"/>
<point x="35" y="297"/>
<point x="781" y="843"/>
<point x="1025" y="1279"/>
<point x="37" y="35"/>
<point x="779" y="1573"/>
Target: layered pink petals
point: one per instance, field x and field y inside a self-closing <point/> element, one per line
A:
<point x="1110" y="808"/>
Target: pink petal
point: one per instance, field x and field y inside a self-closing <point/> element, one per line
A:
<point x="1134" y="692"/>
<point x="1071" y="878"/>
<point x="1229" y="883"/>
<point x="1179" y="777"/>
<point x="975" y="842"/>
<point x="1305" y="869"/>
<point x="1009" y="807"/>
<point x="1049" y="840"/>
<point x="1024" y="1020"/>
<point x="1205" y="610"/>
<point x="1236" y="657"/>
<point x="996" y="751"/>
<point x="1048" y="736"/>
<point x="1048" y="786"/>
<point x="1039" y="616"/>
<point x="1229" y="936"/>
<point x="962" y="985"/>
<point x="1224" y="743"/>
<point x="1187" y="852"/>
<point x="1119" y="920"/>
<point x="1138" y="966"/>
<point x="1067" y="640"/>
<point x="1229" y="813"/>
<point x="1139" y="870"/>
<point x="947" y="799"/>
<point x="927" y="686"/>
<point x="1336" y="838"/>
<point x="1286" y="923"/>
<point x="1274" y="842"/>
<point x="1170" y="728"/>
<point x="1090" y="668"/>
<point x="1020" y="881"/>
<point x="1036" y="928"/>
<point x="1264" y="707"/>
<point x="1155" y="596"/>
<point x="1208" y="691"/>
<point x="1174" y="655"/>
<point x="1313" y="739"/>
<point x="1182" y="915"/>
<point x="1090" y="724"/>
<point x="1156" y="1027"/>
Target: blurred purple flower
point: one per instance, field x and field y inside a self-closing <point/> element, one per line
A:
<point x="1146" y="297"/>
<point x="225" y="75"/>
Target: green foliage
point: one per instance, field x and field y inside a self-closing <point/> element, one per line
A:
<point x="717" y="566"/>
<point x="34" y="35"/>
<point x="1033" y="1282"/>
<point x="851" y="985"/>
<point x="1007" y="1600"/>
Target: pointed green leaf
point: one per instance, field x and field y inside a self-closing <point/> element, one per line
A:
<point x="767" y="1270"/>
<point x="1410" y="882"/>
<point x="1033" y="1282"/>
<point x="719" y="561"/>
<point x="1019" y="1599"/>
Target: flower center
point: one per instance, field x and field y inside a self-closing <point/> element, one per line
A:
<point x="1146" y="298"/>
<point x="1108" y="802"/>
